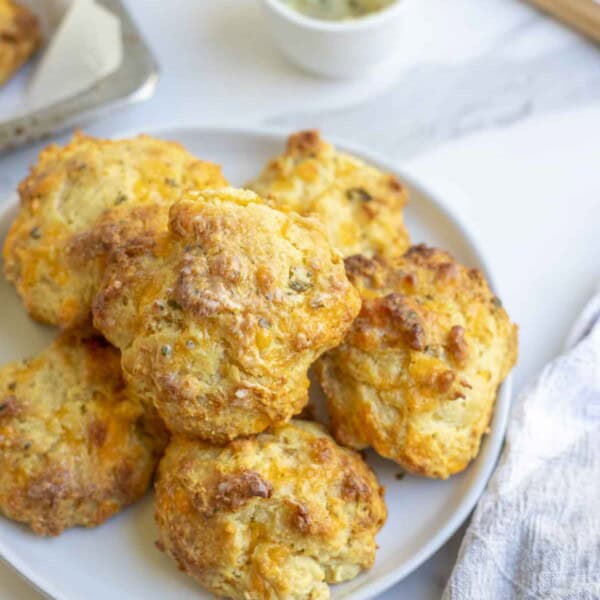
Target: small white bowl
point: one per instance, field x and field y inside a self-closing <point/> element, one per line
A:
<point x="338" y="49"/>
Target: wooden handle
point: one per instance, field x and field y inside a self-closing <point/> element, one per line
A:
<point x="583" y="15"/>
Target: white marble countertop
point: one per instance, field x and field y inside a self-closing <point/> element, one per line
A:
<point x="490" y="101"/>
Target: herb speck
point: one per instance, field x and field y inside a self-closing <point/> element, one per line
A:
<point x="174" y="304"/>
<point x="300" y="279"/>
<point x="358" y="195"/>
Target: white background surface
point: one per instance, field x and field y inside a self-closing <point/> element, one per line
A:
<point x="490" y="101"/>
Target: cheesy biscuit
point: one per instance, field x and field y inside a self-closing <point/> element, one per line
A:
<point x="74" y="446"/>
<point x="417" y="375"/>
<point x="360" y="206"/>
<point x="220" y="318"/>
<point x="81" y="201"/>
<point x="269" y="517"/>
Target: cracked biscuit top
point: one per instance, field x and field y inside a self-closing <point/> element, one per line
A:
<point x="360" y="206"/>
<point x="82" y="200"/>
<point x="74" y="447"/>
<point x="278" y="515"/>
<point x="417" y="374"/>
<point x="220" y="318"/>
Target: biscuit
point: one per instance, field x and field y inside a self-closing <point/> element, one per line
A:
<point x="220" y="318"/>
<point x="81" y="201"/>
<point x="417" y="374"/>
<point x="74" y="448"/>
<point x="278" y="515"/>
<point x="360" y="206"/>
<point x="20" y="37"/>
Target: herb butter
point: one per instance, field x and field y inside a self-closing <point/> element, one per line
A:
<point x="337" y="10"/>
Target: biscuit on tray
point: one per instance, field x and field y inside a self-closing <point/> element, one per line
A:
<point x="417" y="375"/>
<point x="82" y="200"/>
<point x="74" y="444"/>
<point x="20" y="37"/>
<point x="360" y="206"/>
<point x="278" y="515"/>
<point x="220" y="318"/>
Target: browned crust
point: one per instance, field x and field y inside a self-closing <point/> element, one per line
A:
<point x="82" y="201"/>
<point x="417" y="375"/>
<point x="304" y="142"/>
<point x="74" y="443"/>
<point x="235" y="490"/>
<point x="220" y="320"/>
<point x="360" y="206"/>
<point x="285" y="511"/>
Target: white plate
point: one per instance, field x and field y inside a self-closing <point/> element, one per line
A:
<point x="119" y="559"/>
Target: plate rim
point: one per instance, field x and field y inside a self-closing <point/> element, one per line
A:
<point x="498" y="424"/>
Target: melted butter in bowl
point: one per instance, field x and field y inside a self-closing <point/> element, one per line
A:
<point x="337" y="10"/>
<point x="338" y="38"/>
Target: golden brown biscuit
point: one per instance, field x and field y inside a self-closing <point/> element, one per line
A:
<point x="74" y="449"/>
<point x="417" y="374"/>
<point x="360" y="206"/>
<point x="220" y="318"/>
<point x="78" y="203"/>
<point x="19" y="37"/>
<point x="269" y="517"/>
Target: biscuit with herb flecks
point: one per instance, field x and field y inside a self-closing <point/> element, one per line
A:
<point x="219" y="318"/>
<point x="360" y="206"/>
<point x="76" y="444"/>
<point x="278" y="515"/>
<point x="417" y="374"/>
<point x="81" y="201"/>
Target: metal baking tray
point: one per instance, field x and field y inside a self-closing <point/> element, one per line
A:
<point x="135" y="80"/>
